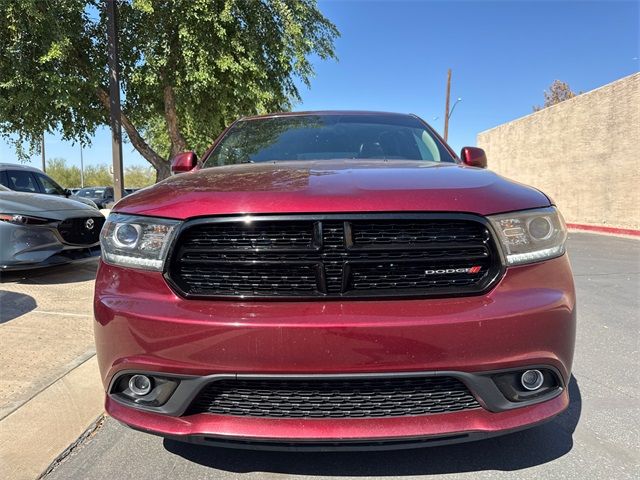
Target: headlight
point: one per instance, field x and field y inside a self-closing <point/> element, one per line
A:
<point x="18" y="219"/>
<point x="139" y="242"/>
<point x="531" y="235"/>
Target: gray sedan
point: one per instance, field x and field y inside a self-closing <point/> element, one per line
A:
<point x="41" y="230"/>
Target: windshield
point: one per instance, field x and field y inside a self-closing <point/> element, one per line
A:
<point x="49" y="186"/>
<point x="91" y="192"/>
<point x="319" y="137"/>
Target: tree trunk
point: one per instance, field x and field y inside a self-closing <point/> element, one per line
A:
<point x="178" y="143"/>
<point x="163" y="172"/>
<point x="160" y="164"/>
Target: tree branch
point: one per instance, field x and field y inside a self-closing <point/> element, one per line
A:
<point x="136" y="139"/>
<point x="160" y="164"/>
<point x="178" y="143"/>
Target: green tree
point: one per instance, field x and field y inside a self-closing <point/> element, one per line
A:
<point x="67" y="176"/>
<point x="97" y="176"/>
<point x="137" y="176"/>
<point x="559" y="91"/>
<point x="188" y="67"/>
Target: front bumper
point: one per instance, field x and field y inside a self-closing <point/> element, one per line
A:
<point x="27" y="247"/>
<point x="325" y="435"/>
<point x="527" y="319"/>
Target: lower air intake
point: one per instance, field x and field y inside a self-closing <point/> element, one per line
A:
<point x="343" y="398"/>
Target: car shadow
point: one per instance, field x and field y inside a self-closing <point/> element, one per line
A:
<point x="511" y="452"/>
<point x="14" y="305"/>
<point x="59" y="274"/>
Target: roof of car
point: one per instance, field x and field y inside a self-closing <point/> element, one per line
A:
<point x="325" y="112"/>
<point x="17" y="166"/>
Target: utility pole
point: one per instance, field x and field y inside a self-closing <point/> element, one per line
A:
<point x="44" y="162"/>
<point x="81" y="168"/>
<point x="114" y="98"/>
<point x="446" y="108"/>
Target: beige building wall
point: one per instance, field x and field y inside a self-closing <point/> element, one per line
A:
<point x="584" y="153"/>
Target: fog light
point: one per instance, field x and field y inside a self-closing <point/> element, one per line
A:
<point x="532" y="379"/>
<point x="140" y="385"/>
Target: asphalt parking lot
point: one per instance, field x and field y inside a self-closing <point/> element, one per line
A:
<point x="597" y="437"/>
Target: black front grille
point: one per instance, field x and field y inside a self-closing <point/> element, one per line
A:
<point x="414" y="233"/>
<point x="281" y="235"/>
<point x="336" y="398"/>
<point x="334" y="256"/>
<point x="81" y="231"/>
<point x="251" y="279"/>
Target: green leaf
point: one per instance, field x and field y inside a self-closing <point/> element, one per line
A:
<point x="221" y="58"/>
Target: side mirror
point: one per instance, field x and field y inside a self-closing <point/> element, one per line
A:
<point x="67" y="192"/>
<point x="474" y="157"/>
<point x="184" y="162"/>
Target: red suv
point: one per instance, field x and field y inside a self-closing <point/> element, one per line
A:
<point x="332" y="279"/>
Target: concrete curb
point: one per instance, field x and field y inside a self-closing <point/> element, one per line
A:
<point x="88" y="433"/>
<point x="37" y="433"/>
<point x="619" y="232"/>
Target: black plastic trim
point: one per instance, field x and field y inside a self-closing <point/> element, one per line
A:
<point x="480" y="384"/>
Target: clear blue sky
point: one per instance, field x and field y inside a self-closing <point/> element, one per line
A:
<point x="394" y="55"/>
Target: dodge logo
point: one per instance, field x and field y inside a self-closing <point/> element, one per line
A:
<point x="89" y="224"/>
<point x="450" y="271"/>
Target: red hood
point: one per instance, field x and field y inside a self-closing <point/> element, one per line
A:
<point x="332" y="186"/>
